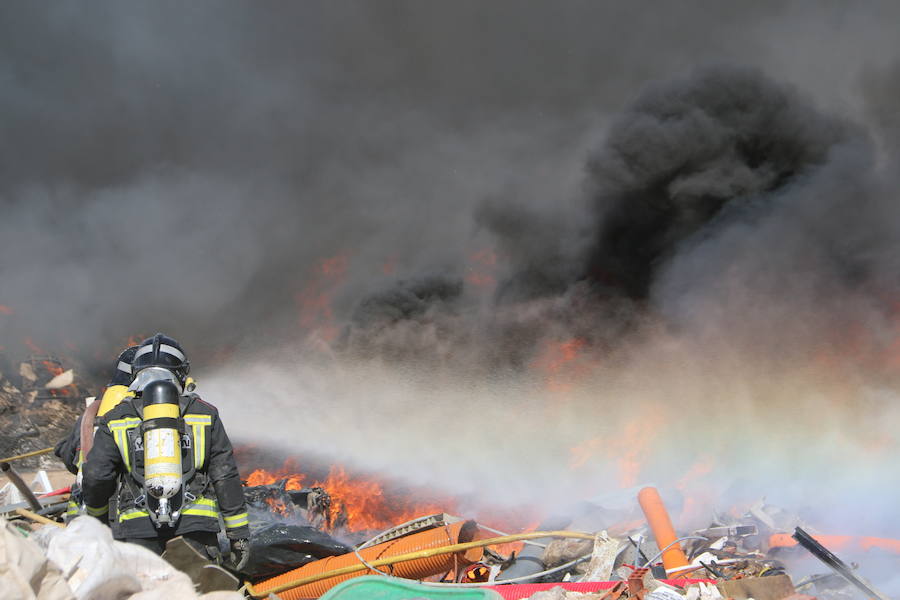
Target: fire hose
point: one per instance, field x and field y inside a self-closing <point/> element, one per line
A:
<point x="451" y="549"/>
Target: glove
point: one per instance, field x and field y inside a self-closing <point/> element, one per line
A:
<point x="240" y="554"/>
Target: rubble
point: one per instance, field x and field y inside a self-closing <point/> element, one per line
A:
<point x="301" y="548"/>
<point x="296" y="555"/>
<point x="38" y="410"/>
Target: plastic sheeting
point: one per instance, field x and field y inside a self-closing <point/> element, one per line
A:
<point x="100" y="568"/>
<point x="279" y="547"/>
<point x="25" y="572"/>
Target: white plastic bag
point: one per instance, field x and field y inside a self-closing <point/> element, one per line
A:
<point x="98" y="567"/>
<point x="25" y="573"/>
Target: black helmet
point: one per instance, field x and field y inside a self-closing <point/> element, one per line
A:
<point x="161" y="351"/>
<point x="122" y="374"/>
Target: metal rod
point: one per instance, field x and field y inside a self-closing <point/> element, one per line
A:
<point x="37" y="518"/>
<point x="836" y="564"/>
<point x="20" y="485"/>
<point x="28" y="454"/>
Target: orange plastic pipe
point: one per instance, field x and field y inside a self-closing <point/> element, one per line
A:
<point x="464" y="531"/>
<point x="661" y="525"/>
<point x="838" y="542"/>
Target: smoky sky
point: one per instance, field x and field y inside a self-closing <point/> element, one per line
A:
<point x="187" y="167"/>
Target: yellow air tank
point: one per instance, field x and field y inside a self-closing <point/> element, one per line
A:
<point x="162" y="443"/>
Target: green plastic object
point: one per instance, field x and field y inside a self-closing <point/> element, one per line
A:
<point x="375" y="587"/>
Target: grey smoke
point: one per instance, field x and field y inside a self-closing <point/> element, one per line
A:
<point x="185" y="167"/>
<point x="723" y="177"/>
<point x="411" y="318"/>
<point x="687" y="151"/>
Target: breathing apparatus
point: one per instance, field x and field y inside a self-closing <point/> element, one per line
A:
<point x="162" y="431"/>
<point x="160" y="376"/>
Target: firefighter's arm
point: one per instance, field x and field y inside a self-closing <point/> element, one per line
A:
<point x="100" y="472"/>
<point x="69" y="448"/>
<point x="225" y="478"/>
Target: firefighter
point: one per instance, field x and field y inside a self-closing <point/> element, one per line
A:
<point x="69" y="449"/>
<point x="166" y="458"/>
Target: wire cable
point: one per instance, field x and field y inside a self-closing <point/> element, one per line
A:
<point x="368" y="543"/>
<point x="682" y="571"/>
<point x="663" y="551"/>
<point x="414" y="556"/>
<point x="521" y="578"/>
<point x="498" y="532"/>
<point x="28" y="454"/>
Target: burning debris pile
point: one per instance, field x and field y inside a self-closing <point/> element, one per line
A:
<point x="301" y="551"/>
<point x="762" y="552"/>
<point x="39" y="402"/>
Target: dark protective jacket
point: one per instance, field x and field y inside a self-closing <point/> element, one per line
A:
<point x="118" y="452"/>
<point x="68" y="450"/>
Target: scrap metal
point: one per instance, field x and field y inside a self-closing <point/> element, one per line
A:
<point x="836" y="564"/>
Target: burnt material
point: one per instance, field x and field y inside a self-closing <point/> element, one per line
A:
<point x="279" y="547"/>
<point x="311" y="504"/>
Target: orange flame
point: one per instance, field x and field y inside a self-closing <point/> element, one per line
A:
<point x="362" y="503"/>
<point x="636" y="438"/>
<point x="584" y="451"/>
<point x="563" y="364"/>
<point x="629" y="448"/>
<point x="314" y="300"/>
<point x="5" y="310"/>
<point x="52" y="368"/>
<point x="293" y="481"/>
<point x="263" y="477"/>
<point x="698" y="498"/>
<point x="135" y="340"/>
<point x="35" y="349"/>
<point x="481" y="280"/>
<point x="480" y="275"/>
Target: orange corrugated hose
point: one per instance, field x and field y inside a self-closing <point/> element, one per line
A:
<point x="457" y="549"/>
<point x="448" y="535"/>
<point x="661" y="525"/>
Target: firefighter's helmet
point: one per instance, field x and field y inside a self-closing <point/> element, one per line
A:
<point x="161" y="351"/>
<point x="122" y="373"/>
